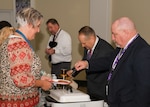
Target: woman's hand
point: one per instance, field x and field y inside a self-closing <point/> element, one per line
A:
<point x="48" y="78"/>
<point x="46" y="85"/>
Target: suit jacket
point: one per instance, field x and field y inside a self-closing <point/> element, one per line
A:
<point x="97" y="72"/>
<point x="129" y="85"/>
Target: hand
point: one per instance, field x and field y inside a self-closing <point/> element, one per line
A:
<point x="69" y="73"/>
<point x="46" y="50"/>
<point x="50" y="51"/>
<point x="81" y="65"/>
<point x="46" y="85"/>
<point x="46" y="78"/>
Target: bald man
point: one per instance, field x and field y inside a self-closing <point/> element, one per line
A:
<point x="129" y="77"/>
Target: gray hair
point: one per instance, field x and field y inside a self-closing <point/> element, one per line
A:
<point x="28" y="16"/>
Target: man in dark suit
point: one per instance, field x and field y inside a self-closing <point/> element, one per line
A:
<point x="96" y="61"/>
<point x="129" y="78"/>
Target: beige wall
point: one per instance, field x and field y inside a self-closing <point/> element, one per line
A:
<point x="6" y="11"/>
<point x="138" y="11"/>
<point x="6" y="4"/>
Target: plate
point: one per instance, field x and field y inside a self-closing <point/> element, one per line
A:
<point x="61" y="81"/>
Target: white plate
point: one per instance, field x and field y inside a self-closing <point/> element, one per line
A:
<point x="61" y="81"/>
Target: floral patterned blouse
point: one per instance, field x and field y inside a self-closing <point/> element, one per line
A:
<point x="19" y="68"/>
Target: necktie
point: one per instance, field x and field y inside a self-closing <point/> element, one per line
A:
<point x="121" y="52"/>
<point x="89" y="54"/>
<point x="54" y="38"/>
<point x="51" y="44"/>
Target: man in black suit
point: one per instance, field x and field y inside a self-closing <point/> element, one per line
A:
<point x="96" y="61"/>
<point x="129" y="78"/>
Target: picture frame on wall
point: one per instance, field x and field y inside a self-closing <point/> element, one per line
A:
<point x="20" y="4"/>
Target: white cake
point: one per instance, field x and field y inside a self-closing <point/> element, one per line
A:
<point x="63" y="95"/>
<point x="80" y="104"/>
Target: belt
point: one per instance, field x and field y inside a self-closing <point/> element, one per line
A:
<point x="60" y="63"/>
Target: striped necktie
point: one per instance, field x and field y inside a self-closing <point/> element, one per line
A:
<point x="89" y="54"/>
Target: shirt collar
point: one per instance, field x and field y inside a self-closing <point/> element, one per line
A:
<point x="96" y="41"/>
<point x="130" y="41"/>
<point x="58" y="31"/>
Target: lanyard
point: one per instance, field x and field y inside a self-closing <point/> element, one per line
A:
<point x="118" y="57"/>
<point x="122" y="51"/>
<point x="24" y="38"/>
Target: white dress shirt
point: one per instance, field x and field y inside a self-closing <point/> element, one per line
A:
<point x="96" y="41"/>
<point x="63" y="50"/>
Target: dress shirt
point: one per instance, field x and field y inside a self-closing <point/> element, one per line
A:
<point x="94" y="46"/>
<point x="63" y="49"/>
<point x="96" y="41"/>
<point x="131" y="40"/>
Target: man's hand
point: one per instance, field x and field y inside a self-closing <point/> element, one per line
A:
<point x="81" y="65"/>
<point x="46" y="50"/>
<point x="69" y="73"/>
<point x="50" y="51"/>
